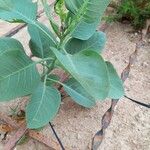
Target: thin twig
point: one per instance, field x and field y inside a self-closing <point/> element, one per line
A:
<point x="58" y="139"/>
<point x="15" y="30"/>
<point x="135" y="101"/>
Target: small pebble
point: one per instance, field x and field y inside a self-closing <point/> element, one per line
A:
<point x="145" y="64"/>
<point x="132" y="35"/>
<point x="78" y="136"/>
<point x="136" y="34"/>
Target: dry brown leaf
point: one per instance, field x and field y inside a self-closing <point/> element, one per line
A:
<point x="5" y="128"/>
<point x="15" y="138"/>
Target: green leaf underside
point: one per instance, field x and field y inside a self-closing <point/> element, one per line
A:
<point x="49" y="14"/>
<point x="88" y="14"/>
<point x="116" y="86"/>
<point x="95" y="43"/>
<point x="78" y="93"/>
<point x="39" y="43"/>
<point x="89" y="69"/>
<point x="24" y="10"/>
<point x="18" y="74"/>
<point x="43" y="106"/>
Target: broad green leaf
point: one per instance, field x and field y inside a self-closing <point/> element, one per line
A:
<point x="40" y="44"/>
<point x="23" y="10"/>
<point x="116" y="85"/>
<point x="96" y="43"/>
<point x="89" y="69"/>
<point x="88" y="14"/>
<point x="18" y="74"/>
<point x="49" y="14"/>
<point x="78" y="93"/>
<point x="43" y="106"/>
<point x="74" y="5"/>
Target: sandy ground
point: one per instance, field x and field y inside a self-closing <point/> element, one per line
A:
<point x="130" y="126"/>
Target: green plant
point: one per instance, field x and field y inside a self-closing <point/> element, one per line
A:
<point x="136" y="11"/>
<point x="74" y="46"/>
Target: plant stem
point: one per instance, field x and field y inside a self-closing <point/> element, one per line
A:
<point x="45" y="80"/>
<point x="44" y="59"/>
<point x="56" y="81"/>
<point x="52" y="65"/>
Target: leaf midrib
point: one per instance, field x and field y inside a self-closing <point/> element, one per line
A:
<point x="65" y="85"/>
<point x="93" y="43"/>
<point x="76" y="92"/>
<point x="18" y="71"/>
<point x="41" y="102"/>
